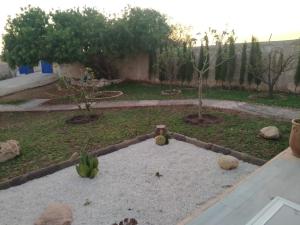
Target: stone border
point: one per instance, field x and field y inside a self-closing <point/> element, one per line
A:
<point x="119" y="93"/>
<point x="112" y="148"/>
<point x="62" y="165"/>
<point x="219" y="149"/>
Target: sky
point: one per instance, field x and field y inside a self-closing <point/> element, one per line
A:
<point x="281" y="18"/>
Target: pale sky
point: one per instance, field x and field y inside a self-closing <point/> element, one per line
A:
<point x="255" y="17"/>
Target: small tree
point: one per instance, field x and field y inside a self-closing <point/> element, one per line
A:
<point x="297" y="75"/>
<point x="232" y="60"/>
<point x="206" y="65"/>
<point x="243" y="64"/>
<point x="276" y="65"/>
<point x="219" y="38"/>
<point x="170" y="61"/>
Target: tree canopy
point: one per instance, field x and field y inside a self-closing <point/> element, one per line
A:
<point x="81" y="35"/>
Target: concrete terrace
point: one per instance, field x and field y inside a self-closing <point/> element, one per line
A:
<point x="278" y="178"/>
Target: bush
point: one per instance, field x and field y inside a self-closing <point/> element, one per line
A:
<point x="88" y="166"/>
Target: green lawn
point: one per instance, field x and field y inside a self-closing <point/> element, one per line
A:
<point x="140" y="91"/>
<point x="45" y="138"/>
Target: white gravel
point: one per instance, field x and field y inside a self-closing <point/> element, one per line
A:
<point x="127" y="187"/>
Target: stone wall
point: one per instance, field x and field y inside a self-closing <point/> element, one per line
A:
<point x="5" y="71"/>
<point x="134" y="67"/>
<point x="286" y="81"/>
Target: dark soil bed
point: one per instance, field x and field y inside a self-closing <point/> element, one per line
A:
<point x="82" y="119"/>
<point x="205" y="120"/>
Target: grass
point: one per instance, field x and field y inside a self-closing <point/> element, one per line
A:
<point x="46" y="139"/>
<point x="12" y="101"/>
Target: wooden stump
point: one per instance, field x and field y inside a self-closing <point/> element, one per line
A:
<point x="161" y="129"/>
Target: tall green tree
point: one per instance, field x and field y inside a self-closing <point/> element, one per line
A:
<point x="243" y="64"/>
<point x="224" y="67"/>
<point x="255" y="63"/>
<point x="231" y="60"/>
<point x="218" y="63"/>
<point x="258" y="64"/>
<point x="297" y="75"/>
<point x="24" y="38"/>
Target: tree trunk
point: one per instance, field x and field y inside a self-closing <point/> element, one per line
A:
<point x="271" y="87"/>
<point x="200" y="91"/>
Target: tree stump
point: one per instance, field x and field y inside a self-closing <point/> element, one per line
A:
<point x="161" y="129"/>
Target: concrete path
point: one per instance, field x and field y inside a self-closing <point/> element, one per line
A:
<point x="21" y="83"/>
<point x="255" y="109"/>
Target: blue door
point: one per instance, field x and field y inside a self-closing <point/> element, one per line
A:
<point x="25" y="69"/>
<point x="46" y="67"/>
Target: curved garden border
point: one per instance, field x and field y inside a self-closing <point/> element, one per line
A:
<point x="118" y="94"/>
<point x="112" y="148"/>
<point x="171" y="92"/>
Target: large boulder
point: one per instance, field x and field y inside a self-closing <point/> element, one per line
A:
<point x="56" y="214"/>
<point x="270" y="132"/>
<point x="228" y="162"/>
<point x="9" y="150"/>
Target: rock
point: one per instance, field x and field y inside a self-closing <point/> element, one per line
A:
<point x="9" y="150"/>
<point x="74" y="156"/>
<point x="228" y="162"/>
<point x="56" y="214"/>
<point x="270" y="132"/>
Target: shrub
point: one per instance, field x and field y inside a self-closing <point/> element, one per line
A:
<point x="88" y="166"/>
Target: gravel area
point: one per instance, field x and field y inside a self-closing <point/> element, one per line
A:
<point x="127" y="187"/>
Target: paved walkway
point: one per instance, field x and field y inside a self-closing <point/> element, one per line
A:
<point x="261" y="110"/>
<point x="21" y="83"/>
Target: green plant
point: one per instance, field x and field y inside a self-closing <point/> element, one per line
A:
<point x="88" y="166"/>
<point x="243" y="64"/>
<point x="232" y="60"/>
<point x="160" y="140"/>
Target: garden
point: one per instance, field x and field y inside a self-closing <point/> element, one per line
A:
<point x="134" y="165"/>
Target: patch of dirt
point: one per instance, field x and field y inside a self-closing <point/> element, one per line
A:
<point x="205" y="120"/>
<point x="83" y="119"/>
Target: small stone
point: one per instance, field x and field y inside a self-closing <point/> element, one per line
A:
<point x="228" y="162"/>
<point x="74" y="156"/>
<point x="9" y="150"/>
<point x="56" y="214"/>
<point x="271" y="133"/>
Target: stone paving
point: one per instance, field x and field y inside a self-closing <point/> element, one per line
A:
<point x="255" y="109"/>
<point x="24" y="82"/>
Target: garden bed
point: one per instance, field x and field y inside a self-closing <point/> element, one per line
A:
<point x="127" y="187"/>
<point x="46" y="139"/>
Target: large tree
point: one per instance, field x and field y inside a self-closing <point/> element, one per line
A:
<point x="24" y="38"/>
